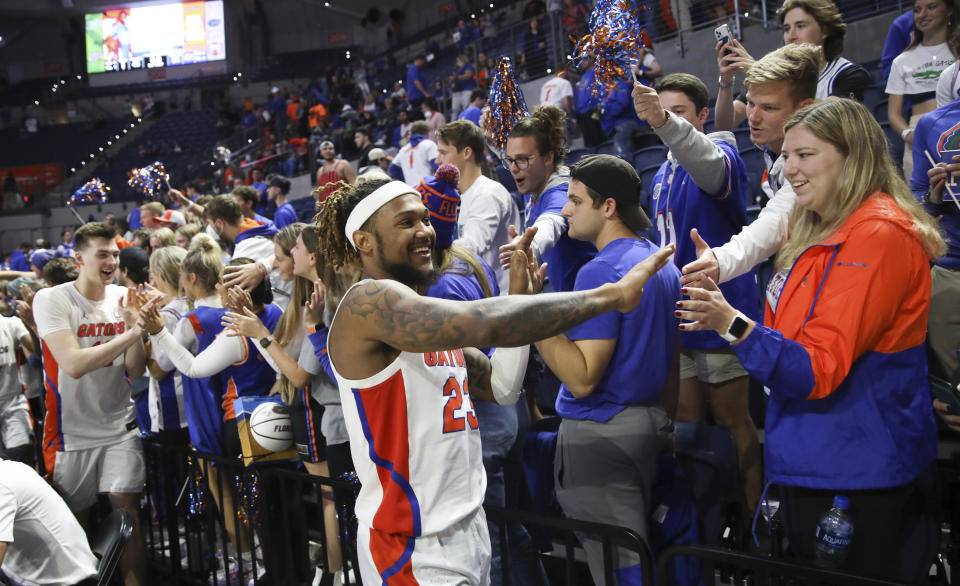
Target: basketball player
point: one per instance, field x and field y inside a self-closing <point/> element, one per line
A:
<point x="90" y="343"/>
<point x="403" y="380"/>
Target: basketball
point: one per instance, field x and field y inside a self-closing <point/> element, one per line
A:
<point x="270" y="427"/>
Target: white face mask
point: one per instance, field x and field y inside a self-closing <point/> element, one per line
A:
<point x="212" y="232"/>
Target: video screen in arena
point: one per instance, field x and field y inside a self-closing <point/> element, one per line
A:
<point x="162" y="35"/>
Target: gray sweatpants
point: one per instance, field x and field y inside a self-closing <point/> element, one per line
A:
<point x="604" y="473"/>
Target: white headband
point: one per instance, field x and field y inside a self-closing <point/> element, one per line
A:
<point x="373" y="202"/>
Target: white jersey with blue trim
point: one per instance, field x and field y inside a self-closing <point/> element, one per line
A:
<point x="415" y="443"/>
<point x="166" y="404"/>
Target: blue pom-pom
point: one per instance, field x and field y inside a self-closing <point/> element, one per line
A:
<point x="93" y="191"/>
<point x="149" y="180"/>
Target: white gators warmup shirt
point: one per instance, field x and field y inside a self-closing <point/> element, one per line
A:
<point x="93" y="410"/>
<point x="11" y="330"/>
<point x="415" y="441"/>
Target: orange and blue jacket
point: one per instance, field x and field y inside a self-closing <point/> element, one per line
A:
<point x="845" y="361"/>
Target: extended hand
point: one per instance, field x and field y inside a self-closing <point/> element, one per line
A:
<point x="706" y="266"/>
<point x="238" y="300"/>
<point x="646" y="102"/>
<point x="247" y="324"/>
<point x="313" y="308"/>
<point x="631" y="285"/>
<point x="706" y="309"/>
<point x="506" y="251"/>
<point x="245" y="276"/>
<point x="149" y="318"/>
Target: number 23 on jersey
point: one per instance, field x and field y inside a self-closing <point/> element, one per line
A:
<point x="458" y="409"/>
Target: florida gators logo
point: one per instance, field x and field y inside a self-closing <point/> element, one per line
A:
<point x="949" y="140"/>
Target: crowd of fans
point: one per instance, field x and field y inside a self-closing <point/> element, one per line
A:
<point x="422" y="269"/>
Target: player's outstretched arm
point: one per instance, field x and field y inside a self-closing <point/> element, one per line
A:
<point x="394" y="314"/>
<point x="77" y="361"/>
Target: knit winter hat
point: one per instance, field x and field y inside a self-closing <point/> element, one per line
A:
<point x="439" y="194"/>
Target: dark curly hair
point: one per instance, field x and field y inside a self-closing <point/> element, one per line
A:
<point x="548" y="126"/>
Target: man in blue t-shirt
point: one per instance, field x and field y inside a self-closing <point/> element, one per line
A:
<point x="416" y="84"/>
<point x="703" y="185"/>
<point x="277" y="191"/>
<point x="475" y="108"/>
<point x="618" y="370"/>
<point x="464" y="83"/>
<point x="534" y="156"/>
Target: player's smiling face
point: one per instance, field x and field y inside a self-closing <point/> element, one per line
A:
<point x="404" y="240"/>
<point x="99" y="260"/>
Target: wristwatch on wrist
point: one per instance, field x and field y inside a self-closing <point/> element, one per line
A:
<point x="265" y="342"/>
<point x="905" y="132"/>
<point x="724" y="86"/>
<point x="737" y="328"/>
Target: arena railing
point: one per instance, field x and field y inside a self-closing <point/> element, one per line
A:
<point x="279" y="511"/>
<point x="734" y="567"/>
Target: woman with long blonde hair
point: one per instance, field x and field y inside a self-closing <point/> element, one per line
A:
<point x="842" y="349"/>
<point x="167" y="410"/>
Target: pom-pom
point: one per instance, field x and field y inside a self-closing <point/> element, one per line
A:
<point x="507" y="106"/>
<point x="150" y="179"/>
<point x="93" y="191"/>
<point x="448" y="174"/>
<point x="614" y="44"/>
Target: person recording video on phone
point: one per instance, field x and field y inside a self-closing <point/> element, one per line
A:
<point x="817" y="22"/>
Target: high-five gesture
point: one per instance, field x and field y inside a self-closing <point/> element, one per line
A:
<point x="526" y="278"/>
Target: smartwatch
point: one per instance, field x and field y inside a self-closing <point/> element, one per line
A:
<point x="265" y="342"/>
<point x="737" y="328"/>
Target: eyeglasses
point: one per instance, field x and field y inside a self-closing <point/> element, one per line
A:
<point x="522" y="163"/>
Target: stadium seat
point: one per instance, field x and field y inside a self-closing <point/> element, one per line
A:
<point x="649" y="157"/>
<point x="880" y="110"/>
<point x="872" y="96"/>
<point x="575" y="155"/>
<point x="753" y="159"/>
<point x="110" y="542"/>
<point x="606" y="148"/>
<point x="646" y="184"/>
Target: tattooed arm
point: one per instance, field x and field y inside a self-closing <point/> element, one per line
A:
<point x="391" y="313"/>
<point x="478" y="374"/>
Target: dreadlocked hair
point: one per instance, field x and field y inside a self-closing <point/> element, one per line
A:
<point x="331" y="220"/>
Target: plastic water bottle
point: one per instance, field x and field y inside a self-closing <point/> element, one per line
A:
<point x="834" y="532"/>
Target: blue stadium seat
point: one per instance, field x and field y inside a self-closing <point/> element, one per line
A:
<point x="872" y="96"/>
<point x="646" y="184"/>
<point x="880" y="110"/>
<point x="606" y="148"/>
<point x="649" y="157"/>
<point x="753" y="159"/>
<point x="575" y="155"/>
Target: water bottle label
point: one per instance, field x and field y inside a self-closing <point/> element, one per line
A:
<point x="833" y="541"/>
